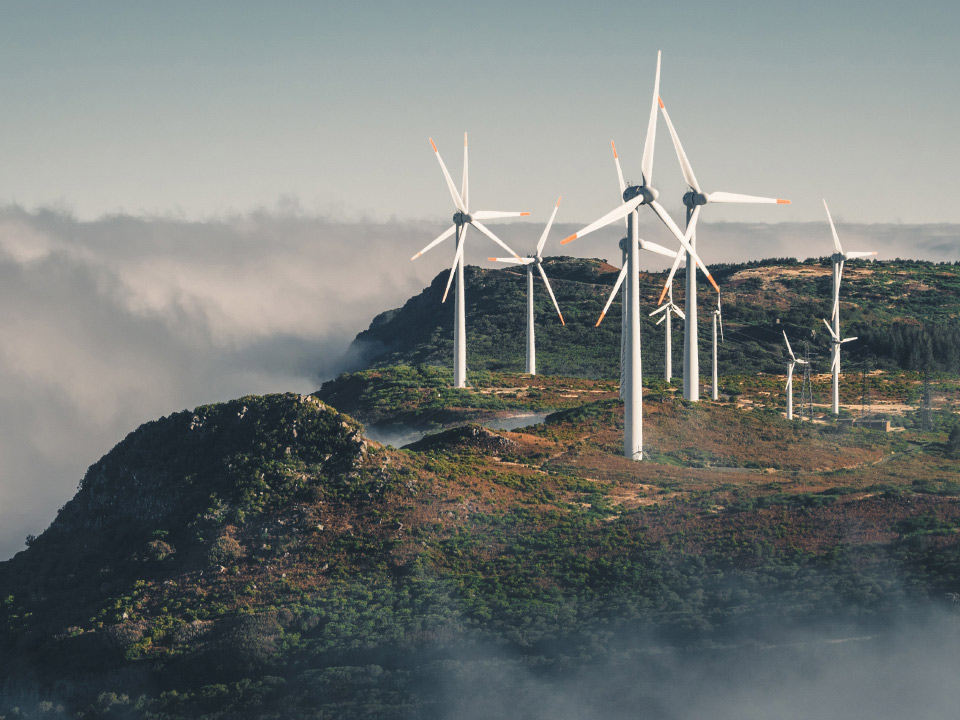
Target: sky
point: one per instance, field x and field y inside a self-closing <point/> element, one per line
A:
<point x="199" y="109"/>
<point x="201" y="201"/>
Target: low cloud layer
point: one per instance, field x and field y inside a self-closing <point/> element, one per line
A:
<point x="111" y="323"/>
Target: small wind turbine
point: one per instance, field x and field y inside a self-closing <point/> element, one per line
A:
<point x="633" y="197"/>
<point x="461" y="219"/>
<point x="717" y="319"/>
<point x="793" y="362"/>
<point x="693" y="200"/>
<point x="838" y="259"/>
<point x="835" y="365"/>
<point x="667" y="310"/>
<point x="532" y="261"/>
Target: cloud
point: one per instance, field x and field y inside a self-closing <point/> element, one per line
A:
<point x="111" y="323"/>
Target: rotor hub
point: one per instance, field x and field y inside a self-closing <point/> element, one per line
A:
<point x="625" y="244"/>
<point x="691" y="199"/>
<point x="649" y="194"/>
<point x="460" y="218"/>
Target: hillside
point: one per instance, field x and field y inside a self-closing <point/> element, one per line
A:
<point x="905" y="313"/>
<point x="260" y="558"/>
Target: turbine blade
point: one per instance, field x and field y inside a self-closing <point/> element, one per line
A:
<point x="832" y="333"/>
<point x="833" y="229"/>
<point x="836" y="291"/>
<point x="725" y="197"/>
<point x="678" y="312"/>
<point x="858" y="254"/>
<point x="550" y="290"/>
<point x="483" y="228"/>
<point x="465" y="186"/>
<point x="661" y="319"/>
<point x="495" y="214"/>
<point x="623" y="185"/>
<point x="681" y="155"/>
<point x="668" y="221"/>
<point x="836" y="360"/>
<point x="616" y="288"/>
<point x="453" y="190"/>
<point x="789" y="349"/>
<point x="659" y="249"/>
<point x="615" y="214"/>
<point x="720" y="323"/>
<point x="456" y="259"/>
<point x="616" y="159"/>
<point x="660" y="309"/>
<point x="546" y="230"/>
<point x="443" y="236"/>
<point x="846" y="340"/>
<point x="512" y="260"/>
<point x="646" y="165"/>
<point x="673" y="271"/>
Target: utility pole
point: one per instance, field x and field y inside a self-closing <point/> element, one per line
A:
<point x="806" y="387"/>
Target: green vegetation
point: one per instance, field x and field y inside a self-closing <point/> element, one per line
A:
<point x="260" y="558"/>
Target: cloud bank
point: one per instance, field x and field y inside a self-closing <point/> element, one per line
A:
<point x="111" y="323"/>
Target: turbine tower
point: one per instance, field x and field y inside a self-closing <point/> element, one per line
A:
<point x="838" y="258"/>
<point x="717" y="318"/>
<point x="532" y="261"/>
<point x="667" y="310"/>
<point x="793" y="362"/>
<point x="633" y="197"/>
<point x="693" y="200"/>
<point x="461" y="219"/>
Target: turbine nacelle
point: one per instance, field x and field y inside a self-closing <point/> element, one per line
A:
<point x="692" y="198"/>
<point x="648" y="194"/>
<point x="461" y="218"/>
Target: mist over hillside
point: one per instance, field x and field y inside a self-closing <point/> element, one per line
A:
<point x="119" y="320"/>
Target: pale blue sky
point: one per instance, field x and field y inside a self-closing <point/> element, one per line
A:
<point x="198" y="109"/>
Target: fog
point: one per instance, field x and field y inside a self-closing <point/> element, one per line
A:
<point x="110" y="323"/>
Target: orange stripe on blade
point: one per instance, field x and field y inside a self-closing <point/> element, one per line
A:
<point x="569" y="239"/>
<point x="600" y="320"/>
<point x="614" y="148"/>
<point x="782" y="202"/>
<point x="659" y="100"/>
<point x="558" y="201"/>
<point x="434" y="146"/>
<point x="713" y="282"/>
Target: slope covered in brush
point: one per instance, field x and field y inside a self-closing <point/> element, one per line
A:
<point x="260" y="559"/>
<point x="906" y="314"/>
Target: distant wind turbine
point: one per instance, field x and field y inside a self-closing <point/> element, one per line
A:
<point x="461" y="219"/>
<point x="532" y="261"/>
<point x="693" y="200"/>
<point x="793" y="362"/>
<point x="838" y="258"/>
<point x="633" y="197"/>
<point x="669" y="309"/>
<point x="717" y="318"/>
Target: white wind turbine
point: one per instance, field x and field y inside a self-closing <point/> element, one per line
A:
<point x="793" y="362"/>
<point x="532" y="261"/>
<point x="717" y="318"/>
<point x="634" y="196"/>
<point x="693" y="200"/>
<point x="461" y="219"/>
<point x="838" y="259"/>
<point x="669" y="309"/>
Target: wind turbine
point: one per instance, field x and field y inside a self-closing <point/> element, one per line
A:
<point x="667" y="310"/>
<point x="717" y="318"/>
<point x="693" y="199"/>
<point x="793" y="362"/>
<point x="835" y="365"/>
<point x="633" y="197"/>
<point x="461" y="219"/>
<point x="838" y="258"/>
<point x="532" y="261"/>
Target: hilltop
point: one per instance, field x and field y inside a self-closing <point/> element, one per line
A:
<point x="262" y="558"/>
<point x="266" y="558"/>
<point x="906" y="315"/>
